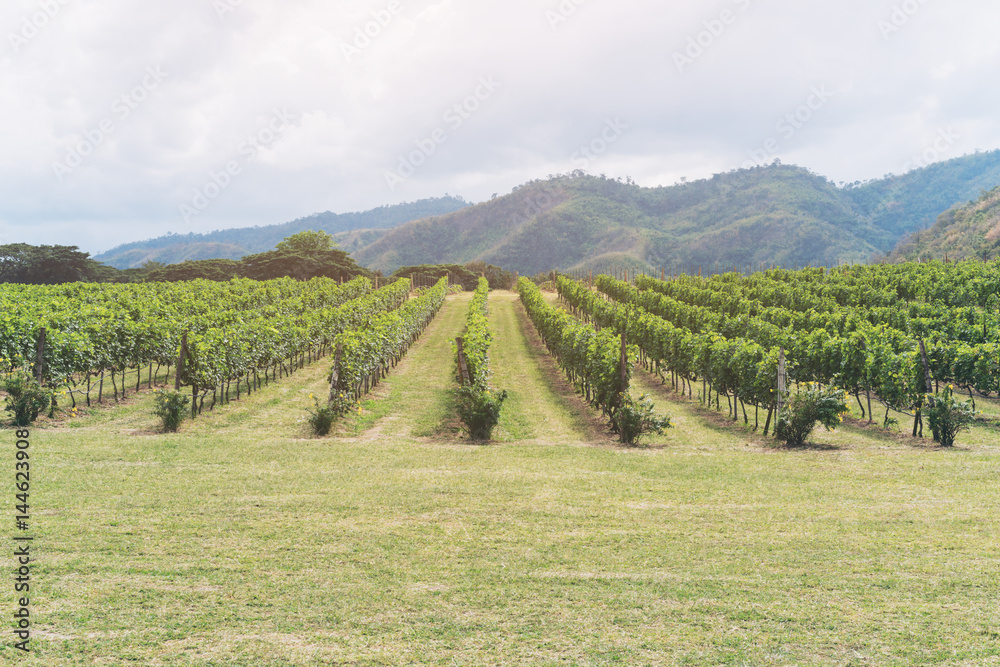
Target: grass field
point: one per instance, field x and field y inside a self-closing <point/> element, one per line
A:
<point x="242" y="540"/>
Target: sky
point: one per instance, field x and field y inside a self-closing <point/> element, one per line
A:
<point x="124" y="121"/>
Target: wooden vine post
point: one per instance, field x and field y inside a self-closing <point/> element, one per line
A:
<point x="40" y="355"/>
<point x="624" y="366"/>
<point x="335" y="373"/>
<point x="928" y="384"/>
<point x="928" y="389"/>
<point x="180" y="361"/>
<point x="782" y="380"/>
<point x="868" y="383"/>
<point x="462" y="365"/>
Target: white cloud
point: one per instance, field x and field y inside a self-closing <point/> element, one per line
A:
<point x="355" y="116"/>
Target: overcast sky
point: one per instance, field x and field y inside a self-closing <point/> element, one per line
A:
<point x="126" y="120"/>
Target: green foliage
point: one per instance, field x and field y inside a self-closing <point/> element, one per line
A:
<point x="856" y="327"/>
<point x="814" y="404"/>
<point x="322" y="418"/>
<point x="965" y="232"/>
<point x="431" y="273"/>
<point x="171" y="406"/>
<point x="903" y="204"/>
<point x="948" y="417"/>
<point x="25" y="397"/>
<point x="498" y="278"/>
<point x="234" y="329"/>
<point x="302" y="258"/>
<point x="48" y="265"/>
<point x="477" y="338"/>
<point x="219" y="270"/>
<point x="479" y="410"/>
<point x="370" y="348"/>
<point x="637" y="418"/>
<point x="591" y="358"/>
<point x="306" y="241"/>
<point x="479" y="407"/>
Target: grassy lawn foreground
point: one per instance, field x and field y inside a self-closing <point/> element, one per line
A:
<point x="243" y="541"/>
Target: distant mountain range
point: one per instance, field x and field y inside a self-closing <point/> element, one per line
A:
<point x="746" y="218"/>
<point x="236" y="243"/>
<point x="777" y="214"/>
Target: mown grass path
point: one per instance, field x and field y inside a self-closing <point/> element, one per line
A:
<point x="541" y="406"/>
<point x="416" y="401"/>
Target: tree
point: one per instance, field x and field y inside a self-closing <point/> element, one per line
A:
<point x="220" y="270"/>
<point x="308" y="254"/>
<point x="307" y="241"/>
<point x="46" y="265"/>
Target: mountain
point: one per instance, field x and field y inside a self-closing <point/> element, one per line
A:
<point x="777" y="214"/>
<point x="966" y="232"/>
<point x="901" y="205"/>
<point x="772" y="214"/>
<point x="236" y="243"/>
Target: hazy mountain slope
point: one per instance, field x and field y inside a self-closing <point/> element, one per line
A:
<point x="777" y="214"/>
<point x="773" y="214"/>
<point x="901" y="205"/>
<point x="235" y="243"/>
<point x="463" y="236"/>
<point x="967" y="232"/>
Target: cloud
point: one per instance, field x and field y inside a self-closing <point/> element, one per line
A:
<point x="368" y="82"/>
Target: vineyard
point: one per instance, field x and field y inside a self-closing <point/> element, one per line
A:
<point x="889" y="335"/>
<point x="896" y="334"/>
<point x="221" y="338"/>
<point x="410" y="535"/>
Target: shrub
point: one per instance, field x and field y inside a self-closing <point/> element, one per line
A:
<point x="322" y="419"/>
<point x="479" y="410"/>
<point x="798" y="418"/>
<point x="25" y="397"/>
<point x="636" y="418"/>
<point x="948" y="417"/>
<point x="171" y="406"/>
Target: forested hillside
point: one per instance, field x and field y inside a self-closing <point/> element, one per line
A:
<point x="901" y="205"/>
<point x="748" y="218"/>
<point x="966" y="232"/>
<point x="777" y="214"/>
